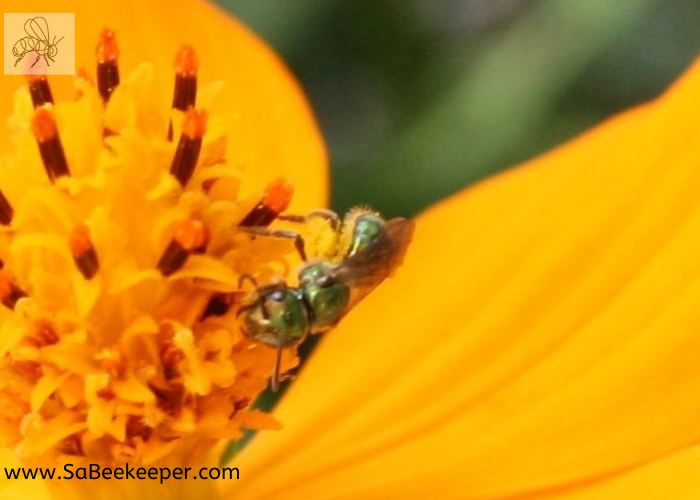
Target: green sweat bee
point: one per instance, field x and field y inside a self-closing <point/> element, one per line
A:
<point x="350" y="260"/>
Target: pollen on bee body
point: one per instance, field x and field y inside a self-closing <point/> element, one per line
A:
<point x="119" y="277"/>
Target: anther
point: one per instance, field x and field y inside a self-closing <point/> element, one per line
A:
<point x="190" y="144"/>
<point x="107" y="67"/>
<point x="190" y="237"/>
<point x="275" y="200"/>
<point x="39" y="90"/>
<point x="50" y="147"/>
<point x="185" y="95"/>
<point x="43" y="335"/>
<point x="218" y="305"/>
<point x="83" y="251"/>
<point x="6" y="210"/>
<point x="10" y="293"/>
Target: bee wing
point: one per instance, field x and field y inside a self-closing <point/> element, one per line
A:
<point x="39" y="28"/>
<point x="367" y="269"/>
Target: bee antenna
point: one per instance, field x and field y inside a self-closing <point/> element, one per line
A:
<point x="243" y="309"/>
<point x="275" y="379"/>
<point x="247" y="277"/>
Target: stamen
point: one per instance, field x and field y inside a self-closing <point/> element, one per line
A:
<point x="50" y="147"/>
<point x="136" y="428"/>
<point x="162" y="376"/>
<point x="190" y="237"/>
<point x="218" y="305"/>
<point x="10" y="293"/>
<point x="82" y="73"/>
<point x="185" y="95"/>
<point x="39" y="90"/>
<point x="111" y="359"/>
<point x="84" y="252"/>
<point x="190" y="144"/>
<point x="6" y="210"/>
<point x="72" y="446"/>
<point x="275" y="200"/>
<point x="42" y="335"/>
<point x="107" y="67"/>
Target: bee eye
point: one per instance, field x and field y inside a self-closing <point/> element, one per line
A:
<point x="277" y="296"/>
<point x="326" y="281"/>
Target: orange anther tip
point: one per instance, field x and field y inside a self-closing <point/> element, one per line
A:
<point x="107" y="49"/>
<point x="186" y="63"/>
<point x="79" y="240"/>
<point x="278" y="195"/>
<point x="43" y="124"/>
<point x="35" y="78"/>
<point x="191" y="234"/>
<point x="195" y="125"/>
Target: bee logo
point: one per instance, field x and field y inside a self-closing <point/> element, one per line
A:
<point x="37" y="40"/>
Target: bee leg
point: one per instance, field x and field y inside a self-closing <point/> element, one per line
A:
<point x="275" y="378"/>
<point x="299" y="219"/>
<point x="279" y="233"/>
<point x="329" y="215"/>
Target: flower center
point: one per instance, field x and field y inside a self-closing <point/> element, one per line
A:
<point x="122" y="251"/>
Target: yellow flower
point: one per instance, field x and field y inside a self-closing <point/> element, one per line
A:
<point x="539" y="342"/>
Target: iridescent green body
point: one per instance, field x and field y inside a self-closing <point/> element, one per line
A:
<point x="369" y="229"/>
<point x="283" y="316"/>
<point x="326" y="298"/>
<point x="278" y="318"/>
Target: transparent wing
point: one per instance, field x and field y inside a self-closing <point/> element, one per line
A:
<point x="37" y="28"/>
<point x="365" y="270"/>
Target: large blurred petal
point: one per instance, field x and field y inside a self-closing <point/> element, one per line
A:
<point x="274" y="131"/>
<point x="543" y="334"/>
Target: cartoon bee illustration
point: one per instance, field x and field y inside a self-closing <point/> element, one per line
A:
<point x="37" y="40"/>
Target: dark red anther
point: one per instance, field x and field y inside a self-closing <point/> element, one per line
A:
<point x="275" y="200"/>
<point x="185" y="95"/>
<point x="83" y="251"/>
<point x="39" y="90"/>
<point x="50" y="147"/>
<point x="190" y="237"/>
<point x="6" y="211"/>
<point x="190" y="145"/>
<point x="10" y="293"/>
<point x="107" y="66"/>
<point x="218" y="305"/>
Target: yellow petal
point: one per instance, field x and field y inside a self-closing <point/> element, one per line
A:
<point x="674" y="477"/>
<point x="542" y="333"/>
<point x="274" y="132"/>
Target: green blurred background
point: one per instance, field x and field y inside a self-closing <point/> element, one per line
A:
<point x="419" y="98"/>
